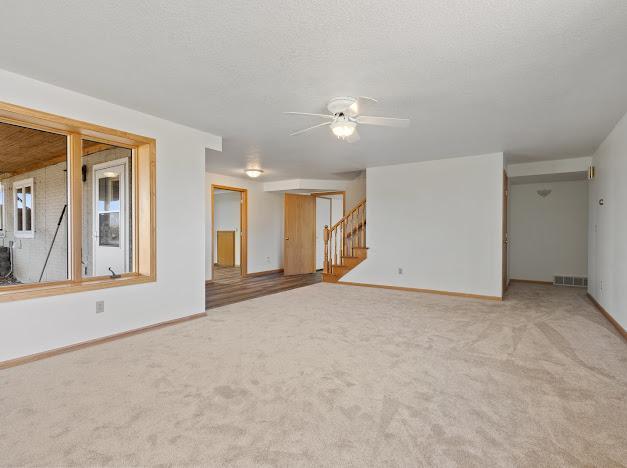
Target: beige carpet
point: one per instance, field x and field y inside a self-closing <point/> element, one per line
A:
<point x="333" y="375"/>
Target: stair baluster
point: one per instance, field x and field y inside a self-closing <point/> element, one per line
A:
<point x="342" y="241"/>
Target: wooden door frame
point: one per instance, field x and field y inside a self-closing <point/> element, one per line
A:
<point x="505" y="236"/>
<point x="243" y="220"/>
<point x="338" y="192"/>
<point x="324" y="195"/>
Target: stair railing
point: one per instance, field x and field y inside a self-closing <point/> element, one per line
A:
<point x="343" y="237"/>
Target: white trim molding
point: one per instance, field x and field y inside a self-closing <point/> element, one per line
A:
<point x="23" y="185"/>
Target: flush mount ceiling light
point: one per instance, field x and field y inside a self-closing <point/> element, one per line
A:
<point x="253" y="173"/>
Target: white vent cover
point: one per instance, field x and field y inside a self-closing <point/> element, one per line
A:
<point x="573" y="281"/>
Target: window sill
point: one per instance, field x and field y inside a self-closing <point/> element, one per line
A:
<point x="33" y="291"/>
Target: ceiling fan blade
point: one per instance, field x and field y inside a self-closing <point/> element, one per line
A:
<point x="382" y="121"/>
<point x="366" y="99"/>
<point x="353" y="138"/>
<point x="326" y="116"/>
<point x="359" y="104"/>
<point x="310" y="128"/>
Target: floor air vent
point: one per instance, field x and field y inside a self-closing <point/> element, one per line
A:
<point x="573" y="281"/>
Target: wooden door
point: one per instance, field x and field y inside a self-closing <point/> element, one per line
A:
<point x="226" y="248"/>
<point x="299" y="253"/>
<point x="505" y="232"/>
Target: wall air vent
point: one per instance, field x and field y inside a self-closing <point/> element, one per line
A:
<point x="572" y="281"/>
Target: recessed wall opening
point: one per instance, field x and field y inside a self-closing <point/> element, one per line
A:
<point x="77" y="206"/>
<point x="329" y="210"/>
<point x="33" y="206"/>
<point x="548" y="229"/>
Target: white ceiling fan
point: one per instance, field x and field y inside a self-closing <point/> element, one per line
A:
<point x="344" y="117"/>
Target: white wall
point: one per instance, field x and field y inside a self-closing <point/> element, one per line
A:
<point x="607" y="245"/>
<point x="355" y="191"/>
<point x="556" y="166"/>
<point x="265" y="224"/>
<point x="226" y="217"/>
<point x="548" y="236"/>
<point x="440" y="221"/>
<point x="337" y="208"/>
<point x="32" y="326"/>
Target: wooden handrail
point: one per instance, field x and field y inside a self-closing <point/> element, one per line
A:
<point x="359" y="205"/>
<point x="345" y="235"/>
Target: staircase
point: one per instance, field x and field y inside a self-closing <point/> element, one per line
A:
<point x="345" y="244"/>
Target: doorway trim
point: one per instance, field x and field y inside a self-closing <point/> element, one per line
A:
<point x="243" y="220"/>
<point x="326" y="195"/>
<point x="338" y="192"/>
<point x="505" y="238"/>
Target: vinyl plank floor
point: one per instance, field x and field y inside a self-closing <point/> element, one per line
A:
<point x="229" y="287"/>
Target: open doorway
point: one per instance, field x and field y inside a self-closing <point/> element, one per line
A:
<point x="330" y="208"/>
<point x="305" y="217"/>
<point x="228" y="232"/>
<point x="548" y="229"/>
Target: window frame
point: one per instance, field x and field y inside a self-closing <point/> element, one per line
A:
<point x="24" y="233"/>
<point x="3" y="210"/>
<point x="143" y="203"/>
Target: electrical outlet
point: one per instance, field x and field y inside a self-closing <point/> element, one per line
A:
<point x="400" y="271"/>
<point x="267" y="259"/>
<point x="99" y="307"/>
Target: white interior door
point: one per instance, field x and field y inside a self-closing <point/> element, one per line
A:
<point x="323" y="218"/>
<point x="110" y="219"/>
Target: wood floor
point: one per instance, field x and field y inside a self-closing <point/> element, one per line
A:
<point x="229" y="287"/>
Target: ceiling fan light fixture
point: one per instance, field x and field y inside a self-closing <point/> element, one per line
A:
<point x="253" y="173"/>
<point x="343" y="128"/>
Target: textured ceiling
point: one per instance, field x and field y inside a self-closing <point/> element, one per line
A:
<point x="538" y="79"/>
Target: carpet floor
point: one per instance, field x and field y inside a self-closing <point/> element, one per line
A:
<point x="330" y="375"/>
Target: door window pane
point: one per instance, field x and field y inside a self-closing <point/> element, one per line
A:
<point x="109" y="229"/>
<point x="109" y="193"/>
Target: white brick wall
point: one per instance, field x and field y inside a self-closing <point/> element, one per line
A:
<point x="50" y="194"/>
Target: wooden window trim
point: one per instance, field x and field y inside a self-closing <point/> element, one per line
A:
<point x="144" y="202"/>
<point x="3" y="209"/>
